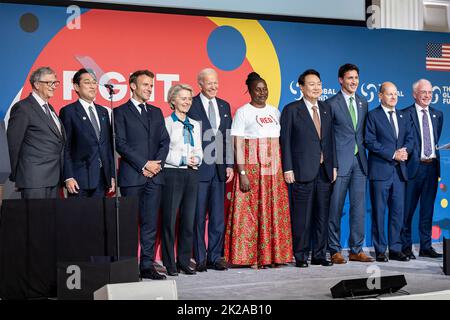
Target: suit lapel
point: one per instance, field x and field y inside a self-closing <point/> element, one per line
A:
<point x="136" y="113"/>
<point x="385" y="121"/>
<point x="38" y="109"/>
<point x="304" y="114"/>
<point x="103" y="118"/>
<point x="359" y="110"/>
<point x="323" y="119"/>
<point x="222" y="113"/>
<point x="201" y="112"/>
<point x="85" y="119"/>
<point x="434" y="121"/>
<point x="413" y="114"/>
<point x="344" y="109"/>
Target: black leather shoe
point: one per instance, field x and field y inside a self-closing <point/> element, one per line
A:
<point x="381" y="257"/>
<point x="398" y="255"/>
<point x="185" y="269"/>
<point x="321" y="262"/>
<point x="409" y="254"/>
<point x="430" y="253"/>
<point x="301" y="264"/>
<point x="220" y="265"/>
<point x="172" y="272"/>
<point x="151" y="273"/>
<point x="201" y="267"/>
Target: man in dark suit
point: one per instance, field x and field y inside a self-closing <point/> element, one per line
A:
<point x="423" y="167"/>
<point x="310" y="165"/>
<point x="389" y="141"/>
<point x="143" y="143"/>
<point x="36" y="139"/>
<point x="349" y="112"/>
<point x="88" y="157"/>
<point x="217" y="169"/>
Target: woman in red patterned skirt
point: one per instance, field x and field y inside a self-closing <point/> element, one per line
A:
<point x="258" y="231"/>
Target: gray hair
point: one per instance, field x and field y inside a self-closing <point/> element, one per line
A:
<point x="416" y="84"/>
<point x="37" y="74"/>
<point x="174" y="90"/>
<point x="204" y="72"/>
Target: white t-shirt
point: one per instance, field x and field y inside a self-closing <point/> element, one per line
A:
<point x="253" y="123"/>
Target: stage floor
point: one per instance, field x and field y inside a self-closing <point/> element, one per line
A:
<point x="288" y="282"/>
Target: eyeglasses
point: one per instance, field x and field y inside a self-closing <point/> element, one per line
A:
<point x="51" y="83"/>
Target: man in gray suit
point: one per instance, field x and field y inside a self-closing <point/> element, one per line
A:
<point x="36" y="139"/>
<point x="349" y="112"/>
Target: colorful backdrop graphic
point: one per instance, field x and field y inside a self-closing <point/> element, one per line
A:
<point x="176" y="47"/>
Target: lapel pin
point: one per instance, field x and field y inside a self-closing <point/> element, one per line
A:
<point x="434" y="116"/>
<point x="324" y="112"/>
<point x="225" y="115"/>
<point x="84" y="118"/>
<point x="401" y="116"/>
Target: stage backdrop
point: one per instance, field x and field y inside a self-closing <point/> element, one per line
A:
<point x="176" y="47"/>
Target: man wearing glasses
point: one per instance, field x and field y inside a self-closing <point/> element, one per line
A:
<point x="36" y="139"/>
<point x="88" y="156"/>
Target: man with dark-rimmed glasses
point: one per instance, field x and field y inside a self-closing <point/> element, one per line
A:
<point x="36" y="139"/>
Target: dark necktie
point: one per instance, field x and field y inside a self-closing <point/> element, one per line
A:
<point x="94" y="122"/>
<point x="427" y="149"/>
<point x="391" y="121"/>
<point x="143" y="110"/>
<point x="49" y="115"/>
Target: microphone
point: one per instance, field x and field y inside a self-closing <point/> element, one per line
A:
<point x="109" y="86"/>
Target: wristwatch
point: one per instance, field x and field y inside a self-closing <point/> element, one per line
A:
<point x="242" y="173"/>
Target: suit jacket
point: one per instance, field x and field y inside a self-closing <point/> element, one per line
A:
<point x="437" y="119"/>
<point x="301" y="145"/>
<point x="139" y="140"/>
<point x="36" y="146"/>
<point x="83" y="150"/>
<point x="223" y="150"/>
<point x="345" y="134"/>
<point x="381" y="143"/>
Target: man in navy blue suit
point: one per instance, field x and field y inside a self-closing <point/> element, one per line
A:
<point x="349" y="112"/>
<point x="423" y="168"/>
<point x="310" y="165"/>
<point x="389" y="141"/>
<point x="88" y="156"/>
<point x="143" y="143"/>
<point x="214" y="114"/>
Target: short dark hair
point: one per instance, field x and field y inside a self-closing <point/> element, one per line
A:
<point x="301" y="78"/>
<point x="347" y="67"/>
<point x="77" y="76"/>
<point x="252" y="77"/>
<point x="138" y="73"/>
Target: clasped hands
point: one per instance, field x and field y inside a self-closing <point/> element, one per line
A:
<point x="401" y="154"/>
<point x="151" y="168"/>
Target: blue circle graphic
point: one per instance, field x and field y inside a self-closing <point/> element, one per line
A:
<point x="226" y="48"/>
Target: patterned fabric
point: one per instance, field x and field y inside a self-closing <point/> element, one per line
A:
<point x="426" y="134"/>
<point x="258" y="227"/>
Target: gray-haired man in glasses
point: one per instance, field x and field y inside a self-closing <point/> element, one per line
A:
<point x="36" y="139"/>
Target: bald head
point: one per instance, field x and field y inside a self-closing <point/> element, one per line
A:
<point x="208" y="80"/>
<point x="422" y="92"/>
<point x="388" y="95"/>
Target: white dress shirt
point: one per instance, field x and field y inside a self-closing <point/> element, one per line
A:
<point x="309" y="106"/>
<point x="394" y="116"/>
<point x="205" y="102"/>
<point x="86" y="106"/>
<point x="347" y="100"/>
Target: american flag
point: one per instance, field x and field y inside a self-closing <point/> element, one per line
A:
<point x="438" y="56"/>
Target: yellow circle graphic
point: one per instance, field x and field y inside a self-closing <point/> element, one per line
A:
<point x="444" y="203"/>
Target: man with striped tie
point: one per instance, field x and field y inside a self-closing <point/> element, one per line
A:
<point x="423" y="168"/>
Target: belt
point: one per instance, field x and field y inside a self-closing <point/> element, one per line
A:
<point x="427" y="160"/>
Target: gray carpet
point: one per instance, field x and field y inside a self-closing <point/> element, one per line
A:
<point x="288" y="282"/>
